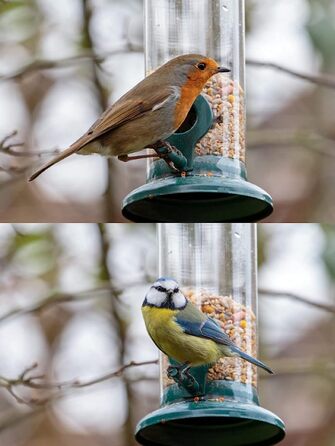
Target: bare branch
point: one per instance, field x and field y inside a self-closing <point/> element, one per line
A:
<point x="57" y="298"/>
<point x="324" y="80"/>
<point x="37" y="383"/>
<point x="37" y="65"/>
<point x="290" y="295"/>
<point x="288" y="138"/>
<point x="322" y="366"/>
<point x="7" y="149"/>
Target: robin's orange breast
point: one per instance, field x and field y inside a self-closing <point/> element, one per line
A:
<point x="188" y="94"/>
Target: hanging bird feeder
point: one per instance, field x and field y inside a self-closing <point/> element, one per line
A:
<point x="215" y="265"/>
<point x="211" y="182"/>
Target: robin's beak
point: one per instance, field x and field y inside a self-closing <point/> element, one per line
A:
<point x="223" y="70"/>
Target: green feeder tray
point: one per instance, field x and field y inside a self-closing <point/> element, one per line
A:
<point x="209" y="189"/>
<point x="229" y="415"/>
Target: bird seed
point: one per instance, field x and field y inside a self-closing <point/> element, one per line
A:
<point x="226" y="137"/>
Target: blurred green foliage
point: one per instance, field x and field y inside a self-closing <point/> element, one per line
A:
<point x="321" y="29"/>
<point x="19" y="21"/>
<point x="33" y="254"/>
<point x="328" y="253"/>
<point x="263" y="238"/>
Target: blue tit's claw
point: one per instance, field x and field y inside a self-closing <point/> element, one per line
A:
<point x="173" y="372"/>
<point x="190" y="382"/>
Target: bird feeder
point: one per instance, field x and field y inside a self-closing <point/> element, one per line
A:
<point x="215" y="266"/>
<point x="211" y="184"/>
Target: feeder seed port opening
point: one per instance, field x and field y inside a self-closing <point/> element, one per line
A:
<point x="212" y="184"/>
<point x="215" y="266"/>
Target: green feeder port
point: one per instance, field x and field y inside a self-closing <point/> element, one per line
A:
<point x="208" y="189"/>
<point x="210" y="181"/>
<point x="215" y="265"/>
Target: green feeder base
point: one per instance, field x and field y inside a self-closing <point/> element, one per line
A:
<point x="210" y="423"/>
<point x="224" y="195"/>
<point x="229" y="416"/>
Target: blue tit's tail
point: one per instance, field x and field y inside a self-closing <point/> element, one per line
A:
<point x="251" y="359"/>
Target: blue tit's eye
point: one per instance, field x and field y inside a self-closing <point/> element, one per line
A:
<point x="176" y="290"/>
<point x="160" y="288"/>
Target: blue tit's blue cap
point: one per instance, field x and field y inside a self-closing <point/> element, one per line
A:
<point x="163" y="279"/>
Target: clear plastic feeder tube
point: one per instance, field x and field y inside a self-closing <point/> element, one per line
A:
<point x="215" y="265"/>
<point x="214" y="28"/>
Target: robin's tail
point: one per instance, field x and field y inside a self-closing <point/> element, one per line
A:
<point x="53" y="161"/>
<point x="251" y="359"/>
<point x="75" y="147"/>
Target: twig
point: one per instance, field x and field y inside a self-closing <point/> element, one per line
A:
<point x="290" y="295"/>
<point x="325" y="80"/>
<point x="35" y="383"/>
<point x="57" y="298"/>
<point x="302" y="366"/>
<point x="7" y="149"/>
<point x="46" y="64"/>
<point x="288" y="138"/>
<point x="30" y="381"/>
<point x="14" y="170"/>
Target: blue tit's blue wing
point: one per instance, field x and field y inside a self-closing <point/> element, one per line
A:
<point x="202" y="326"/>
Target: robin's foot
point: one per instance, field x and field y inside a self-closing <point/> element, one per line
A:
<point x="163" y="147"/>
<point x="126" y="158"/>
<point x="170" y="154"/>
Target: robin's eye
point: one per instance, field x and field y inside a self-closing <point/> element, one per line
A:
<point x="201" y="66"/>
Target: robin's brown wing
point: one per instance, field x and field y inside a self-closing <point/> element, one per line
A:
<point x="131" y="106"/>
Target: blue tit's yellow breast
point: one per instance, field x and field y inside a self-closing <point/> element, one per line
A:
<point x="170" y="338"/>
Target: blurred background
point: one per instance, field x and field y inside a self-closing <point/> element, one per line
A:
<point x="62" y="63"/>
<point x="70" y="298"/>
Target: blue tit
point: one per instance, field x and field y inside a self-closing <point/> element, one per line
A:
<point x="181" y="331"/>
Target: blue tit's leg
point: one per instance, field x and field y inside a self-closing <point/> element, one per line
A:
<point x="181" y="375"/>
<point x="175" y="372"/>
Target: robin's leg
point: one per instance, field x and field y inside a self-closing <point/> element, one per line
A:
<point x="126" y="158"/>
<point x="162" y="149"/>
<point x="169" y="148"/>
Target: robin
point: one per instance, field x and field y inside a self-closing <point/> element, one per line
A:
<point x="146" y="115"/>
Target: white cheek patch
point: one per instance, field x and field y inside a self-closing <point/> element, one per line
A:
<point x="179" y="300"/>
<point x="155" y="297"/>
